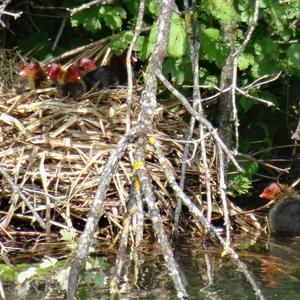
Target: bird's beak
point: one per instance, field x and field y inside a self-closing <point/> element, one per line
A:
<point x="22" y="73"/>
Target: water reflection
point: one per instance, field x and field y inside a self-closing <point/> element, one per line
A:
<point x="274" y="264"/>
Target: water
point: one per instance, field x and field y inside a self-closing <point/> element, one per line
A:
<point x="275" y="266"/>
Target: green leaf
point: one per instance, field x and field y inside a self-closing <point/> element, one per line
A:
<point x="266" y="47"/>
<point x="112" y="16"/>
<point x="67" y="235"/>
<point x="179" y="69"/>
<point x="293" y="53"/>
<point x="212" y="48"/>
<point x="246" y="104"/>
<point x="250" y="168"/>
<point x="239" y="185"/>
<point x="177" y="38"/>
<point x="89" y="19"/>
<point x="265" y="66"/>
<point x="221" y="10"/>
<point x="153" y="7"/>
<point x="97" y="278"/>
<point x="148" y="44"/>
<point x="62" y="278"/>
<point x="245" y="60"/>
<point x="121" y="41"/>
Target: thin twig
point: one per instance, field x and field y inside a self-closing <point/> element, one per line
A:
<point x="17" y="190"/>
<point x="222" y="189"/>
<point x="88" y="5"/>
<point x="3" y="6"/>
<point x="95" y="212"/>
<point x="137" y="32"/>
<point x="60" y="32"/>
<point x="198" y="117"/>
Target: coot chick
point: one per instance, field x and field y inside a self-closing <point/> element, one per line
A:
<point x="34" y="74"/>
<point x="109" y="76"/>
<point x="68" y="81"/>
<point x="284" y="216"/>
<point x="97" y="77"/>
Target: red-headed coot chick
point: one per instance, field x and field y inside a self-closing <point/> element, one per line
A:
<point x="68" y="81"/>
<point x="112" y="75"/>
<point x="97" y="77"/>
<point x="284" y="216"/>
<point x="34" y="74"/>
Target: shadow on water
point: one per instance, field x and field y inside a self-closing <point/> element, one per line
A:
<point x="275" y="265"/>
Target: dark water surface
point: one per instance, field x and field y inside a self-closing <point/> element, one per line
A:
<point x="275" y="266"/>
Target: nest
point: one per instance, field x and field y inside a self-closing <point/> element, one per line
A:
<point x="54" y="150"/>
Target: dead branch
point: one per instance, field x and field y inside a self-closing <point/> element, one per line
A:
<point x="3" y="11"/>
<point x="73" y="11"/>
<point x="137" y="31"/>
<point x="210" y="228"/>
<point x="94" y="214"/>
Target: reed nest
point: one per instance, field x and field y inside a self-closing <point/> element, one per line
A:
<point x="53" y="152"/>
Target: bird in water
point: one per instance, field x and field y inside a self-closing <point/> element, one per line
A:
<point x="68" y="81"/>
<point x="284" y="216"/>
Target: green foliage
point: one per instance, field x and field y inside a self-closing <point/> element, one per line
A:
<point x="220" y="10"/>
<point x="113" y="16"/>
<point x="279" y="14"/>
<point x="153" y="7"/>
<point x="245" y="61"/>
<point x="90" y="19"/>
<point x="241" y="184"/>
<point x="177" y="38"/>
<point x="293" y="53"/>
<point x="213" y="48"/>
<point x="178" y="69"/>
<point x="52" y="272"/>
<point x="147" y="43"/>
<point x="120" y="42"/>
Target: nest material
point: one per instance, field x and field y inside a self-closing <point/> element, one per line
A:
<point x="54" y="149"/>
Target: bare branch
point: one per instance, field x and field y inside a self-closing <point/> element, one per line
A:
<point x="95" y="212"/>
<point x="137" y="32"/>
<point x="198" y="214"/>
<point x="73" y="11"/>
<point x="198" y="117"/>
<point x="250" y="30"/>
<point x="5" y="12"/>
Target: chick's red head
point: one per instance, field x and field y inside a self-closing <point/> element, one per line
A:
<point x="30" y="70"/>
<point x="55" y="72"/>
<point x="72" y="73"/>
<point x="273" y="191"/>
<point x="86" y="65"/>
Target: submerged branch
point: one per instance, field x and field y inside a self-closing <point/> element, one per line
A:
<point x="95" y="212"/>
<point x="198" y="214"/>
